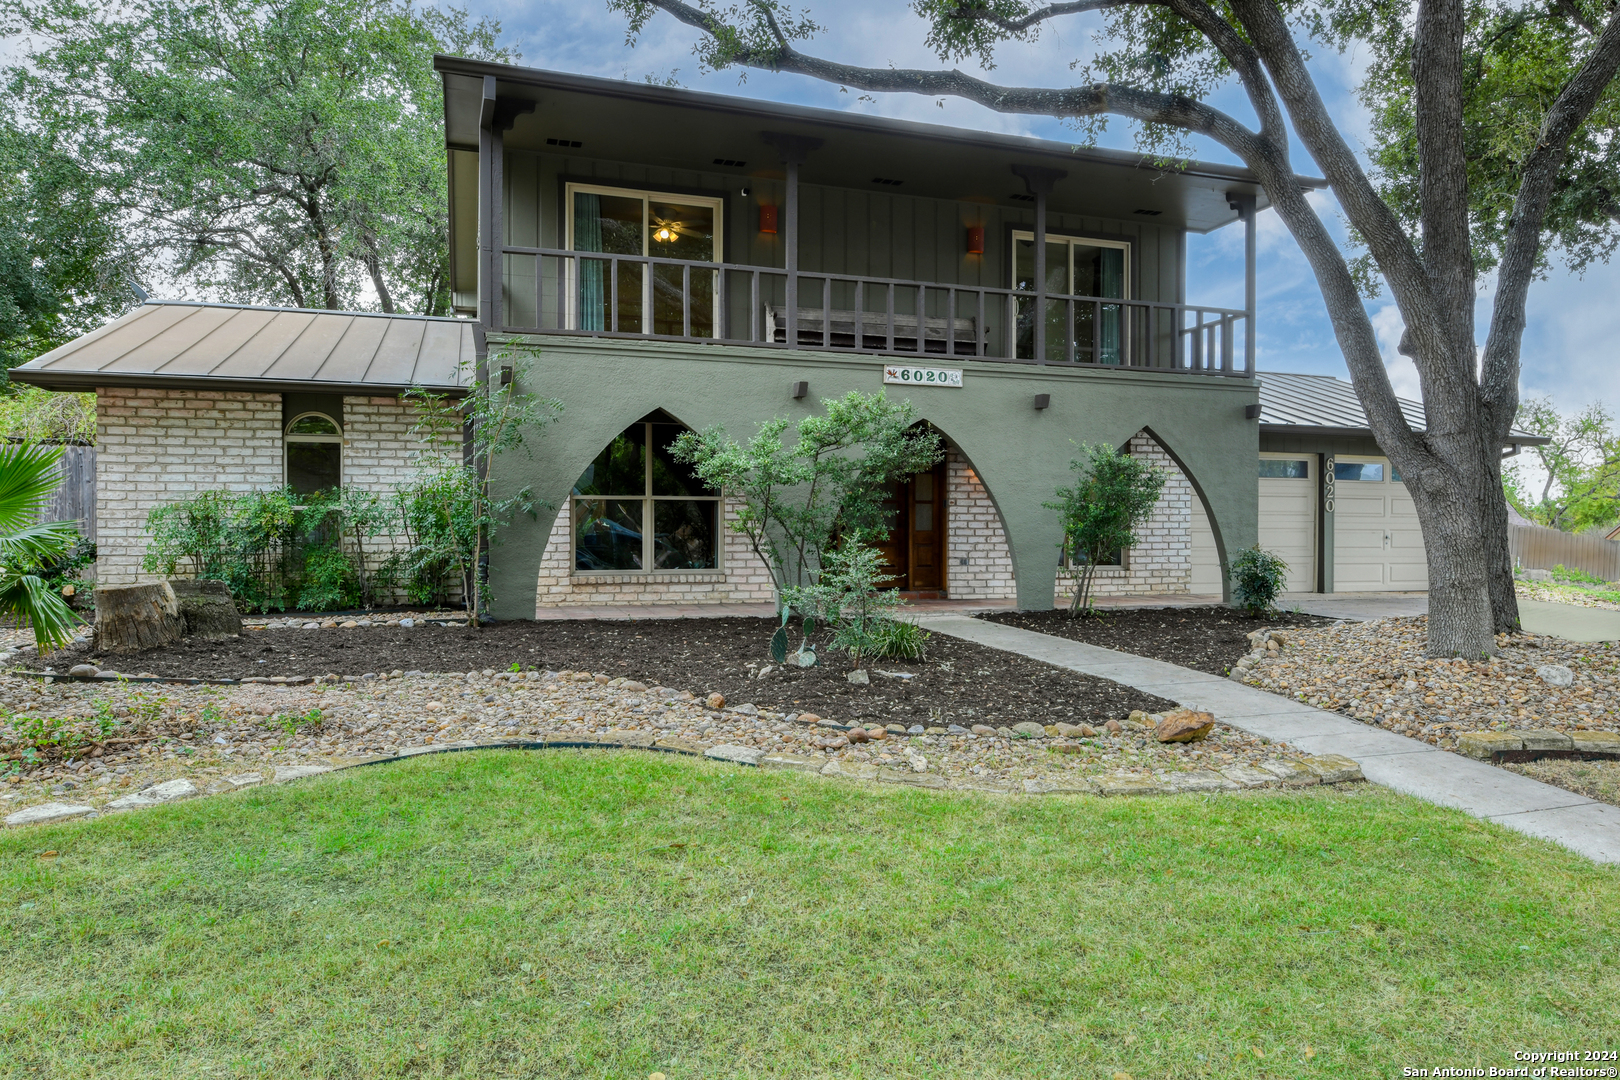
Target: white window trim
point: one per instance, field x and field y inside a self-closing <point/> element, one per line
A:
<point x="286" y="439"/>
<point x="1070" y="242"/>
<point x="648" y="527"/>
<point x="646" y="195"/>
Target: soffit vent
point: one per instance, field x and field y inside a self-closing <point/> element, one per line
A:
<point x="731" y="163"/>
<point x="572" y="143"/>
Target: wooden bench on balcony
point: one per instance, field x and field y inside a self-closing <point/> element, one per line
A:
<point x="936" y="331"/>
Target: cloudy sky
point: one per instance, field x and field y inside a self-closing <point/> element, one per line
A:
<point x="1574" y="323"/>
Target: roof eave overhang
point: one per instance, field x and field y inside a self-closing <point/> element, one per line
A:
<point x="767" y="110"/>
<point x="87" y="381"/>
<point x="1366" y="433"/>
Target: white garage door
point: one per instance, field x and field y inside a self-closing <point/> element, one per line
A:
<point x="1377" y="544"/>
<point x="1288" y="515"/>
<point x="1287" y="524"/>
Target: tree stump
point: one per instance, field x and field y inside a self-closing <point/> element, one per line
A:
<point x="207" y="610"/>
<point x="130" y="618"/>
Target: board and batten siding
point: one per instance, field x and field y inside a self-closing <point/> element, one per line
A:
<point x="863" y="233"/>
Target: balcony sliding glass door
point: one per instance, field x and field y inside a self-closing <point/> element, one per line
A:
<point x="1075" y="266"/>
<point x="670" y="300"/>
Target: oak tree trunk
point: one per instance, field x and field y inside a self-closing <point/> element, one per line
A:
<point x="130" y="618"/>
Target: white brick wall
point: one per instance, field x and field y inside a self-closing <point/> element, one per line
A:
<point x="741" y="579"/>
<point x="158" y="446"/>
<point x="974" y="533"/>
<point x="1161" y="562"/>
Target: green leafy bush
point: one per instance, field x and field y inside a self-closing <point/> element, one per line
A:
<point x="1258" y="577"/>
<point x="1566" y="573"/>
<point x="896" y="639"/>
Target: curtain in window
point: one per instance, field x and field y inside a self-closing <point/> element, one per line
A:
<point x="592" y="272"/>
<point x="1112" y="283"/>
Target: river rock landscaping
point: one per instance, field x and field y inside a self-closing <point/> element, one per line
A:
<point x="1539" y="693"/>
<point x="87" y="745"/>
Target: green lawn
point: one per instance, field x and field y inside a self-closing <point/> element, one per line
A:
<point x="612" y="915"/>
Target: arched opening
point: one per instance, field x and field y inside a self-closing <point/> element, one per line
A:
<point x="635" y="509"/>
<point x="916" y="551"/>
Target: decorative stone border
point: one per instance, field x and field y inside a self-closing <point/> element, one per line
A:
<point x="1321" y="769"/>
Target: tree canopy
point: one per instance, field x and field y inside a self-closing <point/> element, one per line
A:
<point x="273" y="151"/>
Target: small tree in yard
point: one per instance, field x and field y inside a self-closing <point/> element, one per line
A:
<point x="1114" y="495"/>
<point x="798" y="501"/>
<point x="453" y="513"/>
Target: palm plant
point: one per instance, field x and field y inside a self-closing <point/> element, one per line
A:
<point x="27" y="479"/>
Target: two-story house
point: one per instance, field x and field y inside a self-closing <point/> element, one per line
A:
<point x="690" y="260"/>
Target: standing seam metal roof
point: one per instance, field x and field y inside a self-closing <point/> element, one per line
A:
<point x="232" y="346"/>
<point x="1324" y="404"/>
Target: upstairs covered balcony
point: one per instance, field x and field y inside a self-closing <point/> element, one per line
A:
<point x="596" y="208"/>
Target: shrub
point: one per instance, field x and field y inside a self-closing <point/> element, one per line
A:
<point x="850" y="597"/>
<point x="895" y="639"/>
<point x="1258" y="577"/>
<point x="1565" y="573"/>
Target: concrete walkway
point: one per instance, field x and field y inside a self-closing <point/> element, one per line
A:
<point x="1578" y="823"/>
<point x="1569" y="621"/>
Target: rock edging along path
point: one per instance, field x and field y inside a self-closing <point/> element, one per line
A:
<point x="1319" y="769"/>
<point x="1583" y="825"/>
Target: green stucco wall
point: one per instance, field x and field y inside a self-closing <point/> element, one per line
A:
<point x="1022" y="454"/>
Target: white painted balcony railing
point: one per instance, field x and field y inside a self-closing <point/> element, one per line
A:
<point x="553" y="291"/>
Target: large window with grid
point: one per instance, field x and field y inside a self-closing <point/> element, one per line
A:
<point x="637" y="510"/>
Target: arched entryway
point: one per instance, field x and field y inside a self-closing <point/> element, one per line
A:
<point x="916" y="551"/>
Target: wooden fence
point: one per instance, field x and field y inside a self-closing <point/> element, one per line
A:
<point x="75" y="495"/>
<point x="1537" y="548"/>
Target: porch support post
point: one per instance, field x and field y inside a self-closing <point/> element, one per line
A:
<point x="1245" y="206"/>
<point x="793" y="150"/>
<point x="791" y="251"/>
<point x="1039" y="181"/>
<point x="486" y="204"/>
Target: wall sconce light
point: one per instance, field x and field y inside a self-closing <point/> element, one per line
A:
<point x="975" y="240"/>
<point x="767" y="219"/>
<point x="800" y="389"/>
<point x="506" y="374"/>
<point x="1043" y="401"/>
<point x="1251" y="412"/>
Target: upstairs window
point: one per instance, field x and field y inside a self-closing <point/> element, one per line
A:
<point x="636" y="509"/>
<point x="1075" y="266"/>
<point x="658" y="298"/>
<point x="314" y="454"/>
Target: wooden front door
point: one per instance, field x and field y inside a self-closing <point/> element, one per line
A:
<point x="915" y="549"/>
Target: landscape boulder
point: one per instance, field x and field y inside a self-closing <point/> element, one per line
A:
<point x="1184" y="725"/>
<point x="1555" y="675"/>
<point x="1029" y="730"/>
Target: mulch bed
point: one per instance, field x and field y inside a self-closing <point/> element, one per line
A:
<point x="959" y="682"/>
<point x="1208" y="639"/>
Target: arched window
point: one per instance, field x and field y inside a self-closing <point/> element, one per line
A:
<point x="636" y="509"/>
<point x="314" y="448"/>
